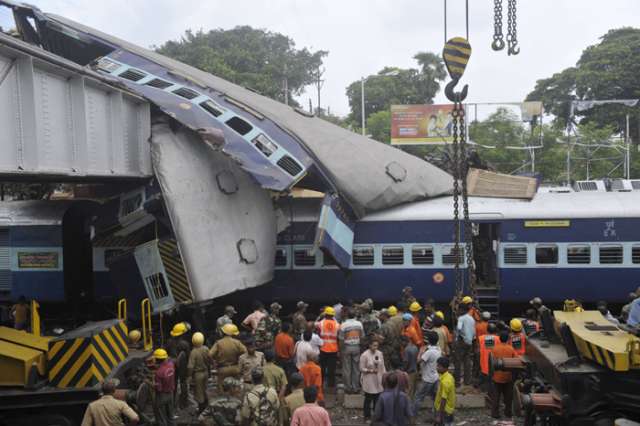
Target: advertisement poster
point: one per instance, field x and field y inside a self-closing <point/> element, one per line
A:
<point x="421" y="124"/>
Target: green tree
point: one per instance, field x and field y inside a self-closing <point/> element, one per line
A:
<point x="607" y="70"/>
<point x="257" y="59"/>
<point x="379" y="126"/>
<point x="393" y="85"/>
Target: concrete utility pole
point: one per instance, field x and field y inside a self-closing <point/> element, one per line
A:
<point x="362" y="106"/>
<point x="319" y="84"/>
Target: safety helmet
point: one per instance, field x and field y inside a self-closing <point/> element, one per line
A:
<point x="440" y="315"/>
<point x="486" y="316"/>
<point x="160" y="354"/>
<point x="466" y="300"/>
<point x="134" y="336"/>
<point x="407" y="317"/>
<point x="392" y="310"/>
<point x="230" y="329"/>
<point x="579" y="309"/>
<point x="179" y="329"/>
<point x="329" y="311"/>
<point x="197" y="339"/>
<point x="415" y="307"/>
<point x="515" y="325"/>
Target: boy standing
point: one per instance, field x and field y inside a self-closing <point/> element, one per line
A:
<point x="445" y="403"/>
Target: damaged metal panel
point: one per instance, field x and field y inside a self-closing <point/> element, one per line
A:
<point x="226" y="239"/>
<point x="356" y="166"/>
<point x="57" y="119"/>
<point x="335" y="230"/>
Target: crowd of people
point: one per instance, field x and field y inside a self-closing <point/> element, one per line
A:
<point x="272" y="371"/>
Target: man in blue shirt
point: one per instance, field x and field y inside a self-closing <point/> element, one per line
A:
<point x="465" y="334"/>
<point x="634" y="313"/>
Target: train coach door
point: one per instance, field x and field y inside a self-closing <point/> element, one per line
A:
<point x="485" y="253"/>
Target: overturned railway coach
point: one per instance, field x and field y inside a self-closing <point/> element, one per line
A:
<point x="559" y="245"/>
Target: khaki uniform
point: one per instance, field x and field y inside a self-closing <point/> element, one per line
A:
<point x="248" y="362"/>
<point x="198" y="369"/>
<point x="291" y="402"/>
<point x="260" y="406"/>
<point x="299" y="325"/>
<point x="108" y="411"/>
<point x="226" y="353"/>
<point x="274" y="377"/>
<point x="223" y="410"/>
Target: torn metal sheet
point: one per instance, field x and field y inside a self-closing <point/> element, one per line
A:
<point x="335" y="230"/>
<point x="356" y="168"/>
<point x="226" y="238"/>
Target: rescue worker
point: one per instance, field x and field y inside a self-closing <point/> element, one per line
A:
<point x="253" y="319"/>
<point x="502" y="380"/>
<point x="370" y="323"/>
<point x="531" y="324"/>
<point x="389" y="337"/>
<point x="165" y="386"/>
<point x="329" y="328"/>
<point x="285" y="349"/>
<point x="224" y="409"/>
<point x="299" y="320"/>
<point x="295" y="399"/>
<point x="445" y="338"/>
<point x="227" y="318"/>
<point x="178" y="349"/>
<point x="517" y="338"/>
<point x="536" y="303"/>
<point x="134" y="339"/>
<point x="396" y="321"/>
<point x="407" y="297"/>
<point x="20" y="314"/>
<point x="481" y="330"/>
<point x="486" y="343"/>
<point x="415" y="309"/>
<point x="349" y="339"/>
<point x="226" y="352"/>
<point x="467" y="303"/>
<point x="624" y="313"/>
<point x="463" y="346"/>
<point x="429" y="313"/>
<point x="268" y="327"/>
<point x="409" y="330"/>
<point x="393" y="311"/>
<point x="108" y="411"/>
<point x="198" y="370"/>
<point x="274" y="376"/>
<point x="261" y="405"/>
<point x="250" y="361"/>
<point x="313" y="375"/>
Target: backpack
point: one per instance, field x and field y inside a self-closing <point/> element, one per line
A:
<point x="264" y="414"/>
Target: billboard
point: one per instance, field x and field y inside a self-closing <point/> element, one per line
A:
<point x="421" y="124"/>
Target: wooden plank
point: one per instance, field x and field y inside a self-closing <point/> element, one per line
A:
<point x="483" y="183"/>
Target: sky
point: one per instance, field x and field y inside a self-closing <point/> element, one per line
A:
<point x="363" y="36"/>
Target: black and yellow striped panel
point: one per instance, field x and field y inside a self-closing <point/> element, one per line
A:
<point x="81" y="359"/>
<point x="174" y="268"/>
<point x="602" y="356"/>
<point x="456" y="55"/>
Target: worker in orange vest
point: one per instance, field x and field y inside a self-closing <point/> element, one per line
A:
<point x="481" y="330"/>
<point x="517" y="338"/>
<point x="409" y="331"/>
<point x="415" y="309"/>
<point x="329" y="350"/>
<point x="486" y="343"/>
<point x="467" y="303"/>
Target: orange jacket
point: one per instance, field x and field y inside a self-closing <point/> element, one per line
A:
<point x="503" y="350"/>
<point x="486" y="343"/>
<point x="519" y="342"/>
<point x="481" y="328"/>
<point x="475" y="313"/>
<point x="329" y="335"/>
<point x="415" y="323"/>
<point x="313" y="377"/>
<point x="410" y="332"/>
<point x="284" y="346"/>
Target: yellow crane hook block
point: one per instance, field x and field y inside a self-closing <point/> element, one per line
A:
<point x="86" y="355"/>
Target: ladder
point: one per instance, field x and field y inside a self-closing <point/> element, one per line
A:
<point x="488" y="299"/>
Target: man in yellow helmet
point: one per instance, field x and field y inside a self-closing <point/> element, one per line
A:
<point x="415" y="309"/>
<point x="178" y="349"/>
<point x="226" y="352"/>
<point x="198" y="370"/>
<point x="517" y="337"/>
<point x="329" y="350"/>
<point x="165" y="386"/>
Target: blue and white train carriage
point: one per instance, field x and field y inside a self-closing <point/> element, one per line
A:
<point x="559" y="245"/>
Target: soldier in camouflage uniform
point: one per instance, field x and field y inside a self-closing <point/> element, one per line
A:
<point x="227" y="318"/>
<point x="225" y="409"/>
<point x="299" y="320"/>
<point x="390" y="340"/>
<point x="370" y="323"/>
<point x="268" y="328"/>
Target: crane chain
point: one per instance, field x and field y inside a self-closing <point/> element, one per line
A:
<point x="498" y="37"/>
<point x="512" y="29"/>
<point x="468" y="226"/>
<point x="456" y="194"/>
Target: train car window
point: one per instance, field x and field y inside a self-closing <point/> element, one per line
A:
<point x="392" y="255"/>
<point x="515" y="255"/>
<point x="546" y="254"/>
<point x="422" y="255"/>
<point x="158" y="285"/>
<point x="362" y="256"/>
<point x="281" y="257"/>
<point x="610" y="254"/>
<point x="635" y="254"/>
<point x="303" y="257"/>
<point x="449" y="255"/>
<point x="578" y="254"/>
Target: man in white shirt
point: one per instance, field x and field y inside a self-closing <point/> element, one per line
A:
<point x="349" y="338"/>
<point x="465" y="335"/>
<point x="303" y="349"/>
<point x="429" y="372"/>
